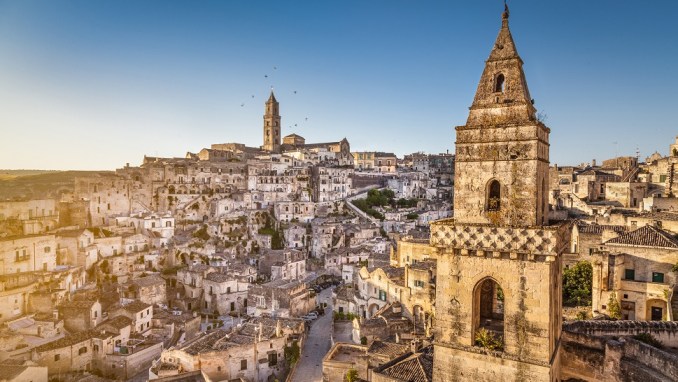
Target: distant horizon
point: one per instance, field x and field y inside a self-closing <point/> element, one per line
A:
<point x="90" y="85"/>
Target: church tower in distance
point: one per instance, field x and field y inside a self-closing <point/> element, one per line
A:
<point x="499" y="276"/>
<point x="272" y="125"/>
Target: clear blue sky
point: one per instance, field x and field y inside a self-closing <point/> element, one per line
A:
<point x="96" y="84"/>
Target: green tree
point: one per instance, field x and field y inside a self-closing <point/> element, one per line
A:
<point x="292" y="353"/>
<point x="202" y="233"/>
<point x="351" y="375"/>
<point x="577" y="281"/>
<point x="613" y="307"/>
<point x="488" y="340"/>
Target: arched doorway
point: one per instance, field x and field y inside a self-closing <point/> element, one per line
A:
<point x="372" y="310"/>
<point x="488" y="315"/>
<point x="655" y="310"/>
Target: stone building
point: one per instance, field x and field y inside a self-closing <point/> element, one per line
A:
<point x="635" y="268"/>
<point x="499" y="264"/>
<point x="28" y="254"/>
<point x="331" y="183"/>
<point x="272" y="125"/>
<point x="254" y="352"/>
<point x="149" y="290"/>
<point x="32" y="216"/>
<point x="80" y="315"/>
<point x="78" y="248"/>
<point x="224" y="293"/>
<point x="14" y="370"/>
<point x="282" y="298"/>
<point x="140" y="313"/>
<point x="376" y="161"/>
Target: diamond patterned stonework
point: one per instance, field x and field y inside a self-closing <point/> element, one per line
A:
<point x="545" y="241"/>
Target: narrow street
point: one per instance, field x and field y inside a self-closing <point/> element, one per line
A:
<point x="317" y="344"/>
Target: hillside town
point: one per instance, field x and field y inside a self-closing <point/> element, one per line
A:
<point x="297" y="261"/>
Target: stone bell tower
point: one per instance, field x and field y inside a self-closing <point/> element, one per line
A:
<point x="272" y="125"/>
<point x="498" y="297"/>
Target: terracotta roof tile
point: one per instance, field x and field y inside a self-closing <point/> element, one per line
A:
<point x="417" y="367"/>
<point x="646" y="236"/>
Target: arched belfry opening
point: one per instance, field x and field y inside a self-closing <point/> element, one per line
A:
<point x="499" y="83"/>
<point x="493" y="192"/>
<point x="488" y="316"/>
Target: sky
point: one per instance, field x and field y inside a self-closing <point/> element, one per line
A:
<point x="93" y="85"/>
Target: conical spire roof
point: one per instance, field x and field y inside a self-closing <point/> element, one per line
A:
<point x="271" y="98"/>
<point x="504" y="47"/>
<point x="503" y="83"/>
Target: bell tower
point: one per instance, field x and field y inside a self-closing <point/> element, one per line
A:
<point x="499" y="275"/>
<point x="272" y="125"/>
<point x="502" y="153"/>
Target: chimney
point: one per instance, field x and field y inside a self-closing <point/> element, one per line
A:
<point x="278" y="329"/>
<point x="55" y="314"/>
<point x="414" y="346"/>
<point x="593" y="163"/>
<point x="397" y="338"/>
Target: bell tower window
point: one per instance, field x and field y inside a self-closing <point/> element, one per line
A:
<point x="493" y="195"/>
<point x="499" y="84"/>
<point x="488" y="317"/>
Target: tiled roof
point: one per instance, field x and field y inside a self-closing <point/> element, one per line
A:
<point x="646" y="236"/>
<point x="148" y="281"/>
<point x="218" y="277"/>
<point x="429" y="264"/>
<point x="70" y="340"/>
<point x="78" y="304"/>
<point x="118" y="322"/>
<point x="388" y="349"/>
<point x="417" y="367"/>
<point x="8" y="373"/>
<point x="135" y="306"/>
<point x="599" y="228"/>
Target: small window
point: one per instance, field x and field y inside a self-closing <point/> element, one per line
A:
<point x="82" y="350"/>
<point x="629" y="274"/>
<point x="657" y="277"/>
<point x="499" y="84"/>
<point x="272" y="359"/>
<point x="243" y="364"/>
<point x="494" y="196"/>
<point x="57" y="357"/>
<point x="47" y="249"/>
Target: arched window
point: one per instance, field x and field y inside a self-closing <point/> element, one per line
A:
<point x="488" y="316"/>
<point x="499" y="83"/>
<point x="493" y="195"/>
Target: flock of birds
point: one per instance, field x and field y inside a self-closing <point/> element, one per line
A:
<point x="298" y="123"/>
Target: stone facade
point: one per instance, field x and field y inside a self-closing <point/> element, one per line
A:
<point x="499" y="266"/>
<point x="272" y="125"/>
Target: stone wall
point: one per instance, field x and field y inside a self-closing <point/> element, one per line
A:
<point x="612" y="355"/>
<point x="127" y="366"/>
<point x="475" y="364"/>
<point x="664" y="331"/>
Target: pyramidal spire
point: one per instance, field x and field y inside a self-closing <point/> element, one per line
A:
<point x="503" y="83"/>
<point x="271" y="98"/>
<point x="504" y="47"/>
